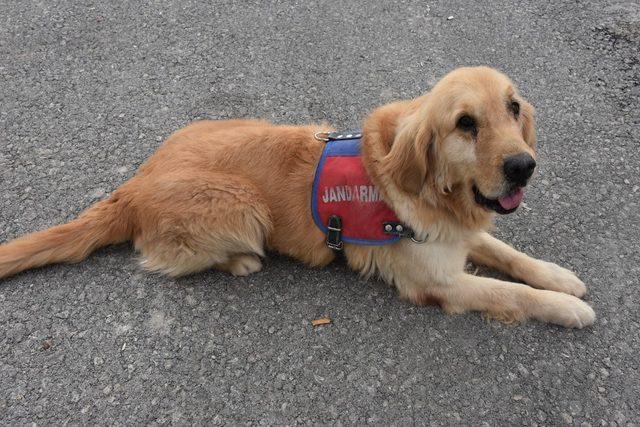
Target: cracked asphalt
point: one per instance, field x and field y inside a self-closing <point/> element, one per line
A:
<point x="89" y="89"/>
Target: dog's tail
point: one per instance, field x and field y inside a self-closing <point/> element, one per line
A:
<point x="106" y="222"/>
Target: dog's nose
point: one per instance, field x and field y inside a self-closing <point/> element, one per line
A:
<point x="519" y="168"/>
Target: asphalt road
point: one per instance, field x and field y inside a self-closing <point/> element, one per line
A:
<point x="89" y="89"/>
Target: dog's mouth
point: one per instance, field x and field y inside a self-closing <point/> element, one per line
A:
<point x="503" y="204"/>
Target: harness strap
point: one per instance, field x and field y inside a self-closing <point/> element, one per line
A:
<point x="334" y="233"/>
<point x="403" y="231"/>
<point x="397" y="229"/>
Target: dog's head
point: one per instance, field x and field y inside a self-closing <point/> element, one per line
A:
<point x="471" y="139"/>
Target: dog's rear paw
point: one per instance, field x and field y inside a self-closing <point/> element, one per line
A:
<point x="243" y="265"/>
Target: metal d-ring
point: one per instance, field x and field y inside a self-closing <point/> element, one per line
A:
<point x="414" y="240"/>
<point x="321" y="136"/>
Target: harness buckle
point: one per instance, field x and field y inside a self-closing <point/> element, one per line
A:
<point x="334" y="235"/>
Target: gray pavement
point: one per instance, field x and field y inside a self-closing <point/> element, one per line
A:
<point x="89" y="89"/>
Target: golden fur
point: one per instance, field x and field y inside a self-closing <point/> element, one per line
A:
<point x="217" y="193"/>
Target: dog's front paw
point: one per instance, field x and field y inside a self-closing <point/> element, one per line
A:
<point x="565" y="310"/>
<point x="555" y="278"/>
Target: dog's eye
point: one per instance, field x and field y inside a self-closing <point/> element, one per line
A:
<point x="466" y="124"/>
<point x="515" y="108"/>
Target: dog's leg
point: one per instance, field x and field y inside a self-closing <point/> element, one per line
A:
<point x="433" y="274"/>
<point x="508" y="301"/>
<point x="489" y="251"/>
<point x="195" y="221"/>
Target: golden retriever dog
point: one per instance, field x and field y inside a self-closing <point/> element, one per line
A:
<point x="216" y="194"/>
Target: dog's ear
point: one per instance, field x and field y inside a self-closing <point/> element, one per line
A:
<point x="406" y="162"/>
<point x="527" y="113"/>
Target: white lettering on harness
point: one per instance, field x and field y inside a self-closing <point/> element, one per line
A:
<point x="347" y="193"/>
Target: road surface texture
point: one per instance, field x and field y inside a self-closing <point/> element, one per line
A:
<point x="88" y="90"/>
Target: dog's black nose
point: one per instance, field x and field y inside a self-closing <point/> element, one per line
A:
<point x="519" y="168"/>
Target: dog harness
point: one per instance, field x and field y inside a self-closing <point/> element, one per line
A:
<point x="345" y="204"/>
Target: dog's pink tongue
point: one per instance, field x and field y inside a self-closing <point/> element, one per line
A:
<point x="512" y="200"/>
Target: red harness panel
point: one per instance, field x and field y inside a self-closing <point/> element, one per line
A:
<point x="342" y="187"/>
